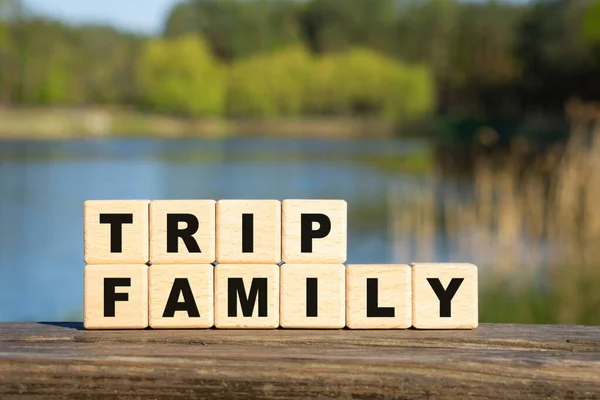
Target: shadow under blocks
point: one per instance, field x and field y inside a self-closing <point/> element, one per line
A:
<point x="255" y="264"/>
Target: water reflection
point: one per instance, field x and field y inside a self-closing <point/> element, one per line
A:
<point x="44" y="185"/>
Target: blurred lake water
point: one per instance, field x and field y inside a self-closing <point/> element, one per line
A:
<point x="402" y="208"/>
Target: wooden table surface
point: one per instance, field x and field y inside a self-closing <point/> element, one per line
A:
<point x="492" y="361"/>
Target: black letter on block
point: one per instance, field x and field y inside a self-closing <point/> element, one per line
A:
<point x="247" y="233"/>
<point x="174" y="233"/>
<point x="306" y="232"/>
<point x="235" y="289"/>
<point x="312" y="308"/>
<point x="373" y="309"/>
<point x="116" y="222"/>
<point x="181" y="285"/>
<point x="111" y="297"/>
<point x="445" y="296"/>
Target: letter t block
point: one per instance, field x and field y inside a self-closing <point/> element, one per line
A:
<point x="116" y="231"/>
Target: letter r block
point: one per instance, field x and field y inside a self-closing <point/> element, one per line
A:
<point x="314" y="231"/>
<point x="182" y="231"/>
<point x="115" y="296"/>
<point x="116" y="231"/>
<point x="247" y="296"/>
<point x="444" y="296"/>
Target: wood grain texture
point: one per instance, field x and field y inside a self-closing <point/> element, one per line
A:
<point x="205" y="236"/>
<point x="330" y="299"/>
<point x="330" y="249"/>
<point x="199" y="281"/>
<point x="492" y="362"/>
<point x="393" y="291"/>
<point x="464" y="310"/>
<point x="129" y="313"/>
<point x="247" y="272"/>
<point x="266" y="246"/>
<point x="97" y="236"/>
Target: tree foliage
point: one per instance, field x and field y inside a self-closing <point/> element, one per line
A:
<point x="180" y="76"/>
<point x="396" y="59"/>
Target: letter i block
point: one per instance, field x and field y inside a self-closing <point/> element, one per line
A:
<point x="249" y="231"/>
<point x="314" y="231"/>
<point x="115" y="296"/>
<point x="247" y="296"/>
<point x="378" y="296"/>
<point x="116" y="231"/>
<point x="182" y="231"/>
<point x="312" y="296"/>
<point x="444" y="296"/>
<point x="181" y="296"/>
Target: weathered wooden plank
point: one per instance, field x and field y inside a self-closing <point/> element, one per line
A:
<point x="493" y="361"/>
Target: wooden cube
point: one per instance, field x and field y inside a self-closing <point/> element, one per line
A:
<point x="312" y="296"/>
<point x="116" y="231"/>
<point x="444" y="296"/>
<point x="181" y="296"/>
<point x="182" y="231"/>
<point x="247" y="296"/>
<point x="378" y="296"/>
<point x="249" y="231"/>
<point x="314" y="231"/>
<point x="115" y="296"/>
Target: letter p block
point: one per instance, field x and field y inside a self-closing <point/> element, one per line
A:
<point x="314" y="231"/>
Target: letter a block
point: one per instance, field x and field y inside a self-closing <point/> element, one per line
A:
<point x="116" y="231"/>
<point x="115" y="296"/>
<point x="247" y="296"/>
<point x="378" y="296"/>
<point x="444" y="296"/>
<point x="312" y="296"/>
<point x="314" y="231"/>
<point x="249" y="231"/>
<point x="181" y="296"/>
<point x="182" y="231"/>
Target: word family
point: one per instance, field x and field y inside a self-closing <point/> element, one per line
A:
<point x="255" y="264"/>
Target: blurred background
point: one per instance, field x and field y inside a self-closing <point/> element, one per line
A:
<point x="456" y="130"/>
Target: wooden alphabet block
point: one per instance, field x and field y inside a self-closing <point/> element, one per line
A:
<point x="312" y="296"/>
<point x="115" y="296"/>
<point x="181" y="296"/>
<point x="249" y="231"/>
<point x="444" y="296"/>
<point x="247" y="296"/>
<point x="378" y="296"/>
<point x="182" y="231"/>
<point x="314" y="231"/>
<point x="116" y="231"/>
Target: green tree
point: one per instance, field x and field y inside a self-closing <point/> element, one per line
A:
<point x="236" y="28"/>
<point x="181" y="75"/>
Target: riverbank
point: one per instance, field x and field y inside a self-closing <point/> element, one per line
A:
<point x="64" y="123"/>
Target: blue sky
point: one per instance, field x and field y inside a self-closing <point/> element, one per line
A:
<point x="145" y="16"/>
